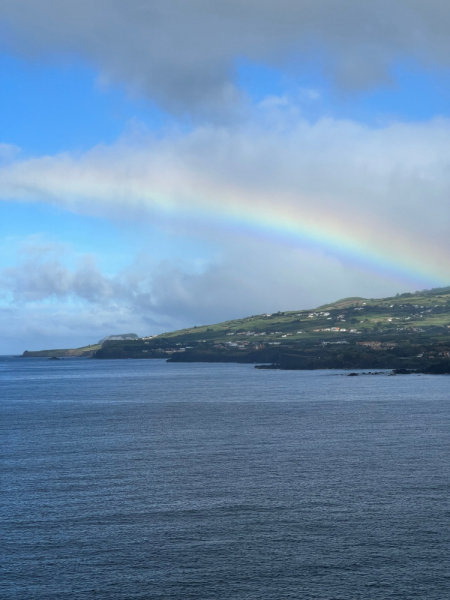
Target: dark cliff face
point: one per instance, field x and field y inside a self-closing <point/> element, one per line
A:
<point x="285" y="358"/>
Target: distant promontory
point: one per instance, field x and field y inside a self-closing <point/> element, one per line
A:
<point x="85" y="351"/>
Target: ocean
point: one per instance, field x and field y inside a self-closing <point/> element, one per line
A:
<point x="140" y="479"/>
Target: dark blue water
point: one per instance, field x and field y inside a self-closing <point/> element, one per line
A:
<point x="126" y="480"/>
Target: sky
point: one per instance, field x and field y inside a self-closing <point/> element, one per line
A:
<point x="170" y="163"/>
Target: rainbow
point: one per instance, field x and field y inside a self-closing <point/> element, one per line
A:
<point x="360" y="238"/>
<point x="374" y="245"/>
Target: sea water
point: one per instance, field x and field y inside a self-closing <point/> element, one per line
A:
<point x="140" y="479"/>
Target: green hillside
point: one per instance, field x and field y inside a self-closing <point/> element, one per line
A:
<point x="405" y="330"/>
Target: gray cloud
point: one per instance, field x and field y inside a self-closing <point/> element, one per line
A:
<point x="183" y="53"/>
<point x="253" y="278"/>
<point x="40" y="278"/>
<point x="55" y="306"/>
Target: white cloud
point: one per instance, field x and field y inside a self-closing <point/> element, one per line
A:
<point x="360" y="192"/>
<point x="8" y="152"/>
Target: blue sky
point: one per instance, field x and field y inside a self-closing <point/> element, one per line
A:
<point x="48" y="107"/>
<point x="116" y="156"/>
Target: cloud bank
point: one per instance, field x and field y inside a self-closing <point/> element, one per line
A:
<point x="375" y="199"/>
<point x="55" y="305"/>
<point x="183" y="54"/>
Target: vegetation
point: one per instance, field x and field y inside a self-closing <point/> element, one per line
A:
<point x="410" y="331"/>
